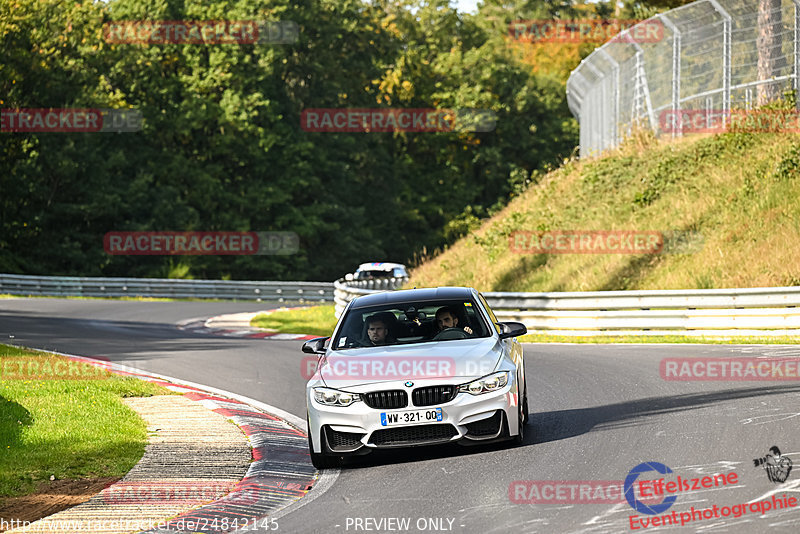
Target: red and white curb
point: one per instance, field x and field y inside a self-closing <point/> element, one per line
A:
<point x="280" y="477"/>
<point x="237" y="325"/>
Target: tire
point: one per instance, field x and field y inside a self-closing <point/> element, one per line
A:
<point x="522" y="418"/>
<point x="321" y="460"/>
<point x="525" y="404"/>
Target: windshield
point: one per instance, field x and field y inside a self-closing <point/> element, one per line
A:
<point x="366" y="275"/>
<point x="411" y="322"/>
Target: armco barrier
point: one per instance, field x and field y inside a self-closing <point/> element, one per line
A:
<point x="68" y="286"/>
<point x="729" y="312"/>
<point x="346" y="290"/>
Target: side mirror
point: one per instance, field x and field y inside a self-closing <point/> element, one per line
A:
<point x="315" y="346"/>
<point x="511" y="329"/>
<point x="348" y="276"/>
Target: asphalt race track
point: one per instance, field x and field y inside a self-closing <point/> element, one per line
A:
<point x="597" y="411"/>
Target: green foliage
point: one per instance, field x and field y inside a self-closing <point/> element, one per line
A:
<point x="222" y="149"/>
<point x="789" y="165"/>
<point x="670" y="169"/>
<point x="462" y="225"/>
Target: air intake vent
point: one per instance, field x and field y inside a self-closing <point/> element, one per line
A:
<point x="486" y="428"/>
<point x="413" y="435"/>
<point x="343" y="441"/>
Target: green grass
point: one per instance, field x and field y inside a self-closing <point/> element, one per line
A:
<point x="316" y="320"/>
<point x="742" y="340"/>
<point x="62" y="427"/>
<point x="736" y="194"/>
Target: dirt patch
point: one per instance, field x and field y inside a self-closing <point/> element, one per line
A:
<point x="51" y="497"/>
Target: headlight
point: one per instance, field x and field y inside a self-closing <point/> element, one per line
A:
<point x="487" y="384"/>
<point x="334" y="397"/>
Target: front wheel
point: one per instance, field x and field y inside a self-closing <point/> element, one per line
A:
<point x="525" y="404"/>
<point x="522" y="417"/>
<point x="519" y="439"/>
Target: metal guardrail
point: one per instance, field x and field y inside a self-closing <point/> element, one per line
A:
<point x="730" y="312"/>
<point x="69" y="286"/>
<point x="751" y="311"/>
<point x="346" y="290"/>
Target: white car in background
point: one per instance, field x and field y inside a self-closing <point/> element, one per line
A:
<point x="368" y="271"/>
<point x="424" y="383"/>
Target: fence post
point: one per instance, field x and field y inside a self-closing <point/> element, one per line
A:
<point x="796" y="38"/>
<point x="598" y="108"/>
<point x="726" y="60"/>
<point x="579" y="107"/>
<point x="615" y="112"/>
<point x="676" y="77"/>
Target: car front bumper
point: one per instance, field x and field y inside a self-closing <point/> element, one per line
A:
<point x="357" y="428"/>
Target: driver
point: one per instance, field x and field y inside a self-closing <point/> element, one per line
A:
<point x="446" y="318"/>
<point x="377" y="332"/>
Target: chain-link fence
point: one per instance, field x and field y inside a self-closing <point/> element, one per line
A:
<point x="711" y="56"/>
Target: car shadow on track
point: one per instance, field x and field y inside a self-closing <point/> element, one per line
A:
<point x="562" y="424"/>
<point x="421" y="454"/>
<point x="402" y="455"/>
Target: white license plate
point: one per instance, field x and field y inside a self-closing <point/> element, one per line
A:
<point x="411" y="417"/>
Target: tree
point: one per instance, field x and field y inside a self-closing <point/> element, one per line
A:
<point x="770" y="27"/>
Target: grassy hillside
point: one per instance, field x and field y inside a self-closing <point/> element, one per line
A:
<point x="739" y="191"/>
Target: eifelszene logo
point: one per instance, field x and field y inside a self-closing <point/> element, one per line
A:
<point x="639" y="506"/>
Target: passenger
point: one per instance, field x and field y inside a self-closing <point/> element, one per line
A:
<point x="377" y="332"/>
<point x="446" y="318"/>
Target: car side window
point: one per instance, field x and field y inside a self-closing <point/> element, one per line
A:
<point x="490" y="312"/>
